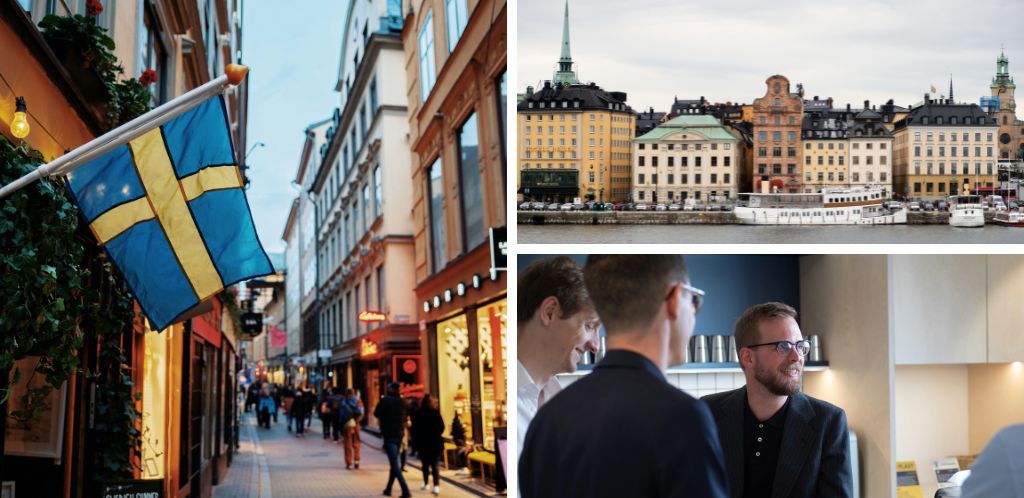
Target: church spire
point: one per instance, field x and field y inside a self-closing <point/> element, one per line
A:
<point x="565" y="74"/>
<point x="1002" y="78"/>
<point x="951" y="89"/>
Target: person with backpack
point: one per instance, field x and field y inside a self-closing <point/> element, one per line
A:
<point x="350" y="428"/>
<point x="324" y="409"/>
<point x="301" y="407"/>
<point x="266" y="407"/>
<point x="337" y="424"/>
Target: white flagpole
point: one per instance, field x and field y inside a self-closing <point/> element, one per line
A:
<point x="234" y="74"/>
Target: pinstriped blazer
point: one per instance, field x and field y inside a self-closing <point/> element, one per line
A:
<point x="814" y="459"/>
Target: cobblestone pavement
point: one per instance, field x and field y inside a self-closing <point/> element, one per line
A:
<point x="275" y="464"/>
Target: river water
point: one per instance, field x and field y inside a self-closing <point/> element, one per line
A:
<point x="762" y="234"/>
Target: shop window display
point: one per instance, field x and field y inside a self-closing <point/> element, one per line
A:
<point x="492" y="323"/>
<point x="453" y="371"/>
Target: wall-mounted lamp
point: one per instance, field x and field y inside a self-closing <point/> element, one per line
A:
<point x="19" y="126"/>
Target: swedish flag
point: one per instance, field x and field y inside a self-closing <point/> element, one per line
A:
<point x="170" y="209"/>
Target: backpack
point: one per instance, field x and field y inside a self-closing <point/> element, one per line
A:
<point x="344" y="412"/>
<point x="357" y="411"/>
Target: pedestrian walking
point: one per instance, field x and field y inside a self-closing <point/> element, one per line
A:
<point x="276" y="393"/>
<point x="300" y="410"/>
<point x="427" y="433"/>
<point x="390" y="412"/>
<point x="266" y="408"/>
<point x="337" y="424"/>
<point x="352" y="414"/>
<point x="287" y="399"/>
<point x="326" y="416"/>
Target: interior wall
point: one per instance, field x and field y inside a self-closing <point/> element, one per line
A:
<point x="845" y="300"/>
<point x="994" y="401"/>
<point x="931" y="417"/>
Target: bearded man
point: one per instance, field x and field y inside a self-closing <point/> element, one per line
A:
<point x="777" y="441"/>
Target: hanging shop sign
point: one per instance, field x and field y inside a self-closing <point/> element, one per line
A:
<point x="149" y="488"/>
<point x="371" y="316"/>
<point x="499" y="249"/>
<point x="405" y="369"/>
<point x="252" y="324"/>
<point x="368" y="348"/>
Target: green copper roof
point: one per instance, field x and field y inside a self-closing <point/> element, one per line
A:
<point x="708" y="126"/>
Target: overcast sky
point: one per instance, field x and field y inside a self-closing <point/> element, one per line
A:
<point x="292" y="54"/>
<point x="725" y="49"/>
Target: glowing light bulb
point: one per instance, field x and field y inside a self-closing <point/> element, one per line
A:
<point x="19" y="126"/>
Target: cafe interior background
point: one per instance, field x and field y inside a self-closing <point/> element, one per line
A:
<point x="924" y="352"/>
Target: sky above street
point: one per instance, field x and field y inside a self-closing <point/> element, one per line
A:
<point x="292" y="53"/>
<point x="874" y="50"/>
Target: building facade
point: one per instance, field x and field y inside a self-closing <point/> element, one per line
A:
<point x="825" y="134"/>
<point x="870" y="155"/>
<point x="456" y="64"/>
<point x="574" y="140"/>
<point x="183" y="376"/>
<point x="364" y="225"/>
<point x="690" y="157"/>
<point x="942" y="148"/>
<point x="778" y="154"/>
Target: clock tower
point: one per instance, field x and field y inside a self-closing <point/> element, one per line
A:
<point x="1010" y="144"/>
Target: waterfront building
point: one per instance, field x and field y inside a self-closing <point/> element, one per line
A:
<point x="1004" y="110"/>
<point x="690" y="157"/>
<point x="778" y="154"/>
<point x="574" y="139"/>
<point x="942" y="148"/>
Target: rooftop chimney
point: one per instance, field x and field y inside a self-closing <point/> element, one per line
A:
<point x="529" y="91"/>
<point x="867" y="104"/>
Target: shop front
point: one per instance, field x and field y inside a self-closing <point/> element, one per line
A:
<point x="464" y="323"/>
<point x="369" y="362"/>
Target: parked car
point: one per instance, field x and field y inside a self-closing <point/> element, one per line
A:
<point x="640" y="207"/>
<point x="915" y="206"/>
<point x="674" y="207"/>
<point x="928" y="206"/>
<point x="699" y="207"/>
<point x="538" y="206"/>
<point x="715" y="207"/>
<point x="660" y="207"/>
<point x="554" y="206"/>
<point x="727" y="207"/>
<point x="942" y="206"/>
<point x="687" y="207"/>
<point x="619" y="206"/>
<point x="1014" y="205"/>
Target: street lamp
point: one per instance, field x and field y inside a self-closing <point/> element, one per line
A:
<point x="245" y="161"/>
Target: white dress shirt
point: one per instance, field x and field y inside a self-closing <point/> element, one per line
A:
<point x="531" y="397"/>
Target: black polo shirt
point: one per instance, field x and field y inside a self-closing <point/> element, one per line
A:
<point x="761" y="444"/>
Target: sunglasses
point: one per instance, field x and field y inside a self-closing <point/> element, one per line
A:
<point x="697" y="296"/>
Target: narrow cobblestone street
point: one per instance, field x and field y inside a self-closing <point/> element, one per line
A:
<point x="275" y="464"/>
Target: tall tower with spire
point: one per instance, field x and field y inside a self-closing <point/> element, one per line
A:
<point x="1010" y="146"/>
<point x="565" y="75"/>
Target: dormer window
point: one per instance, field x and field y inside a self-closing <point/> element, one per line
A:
<point x="952" y="120"/>
<point x="938" y="120"/>
<point x="924" y="120"/>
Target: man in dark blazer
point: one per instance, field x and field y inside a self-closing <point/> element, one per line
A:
<point x="777" y="441"/>
<point x="623" y="430"/>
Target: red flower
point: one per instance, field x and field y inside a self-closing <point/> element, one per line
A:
<point x="148" y="77"/>
<point x="93" y="7"/>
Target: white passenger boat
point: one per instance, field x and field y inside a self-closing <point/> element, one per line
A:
<point x="1010" y="218"/>
<point x="829" y="207"/>
<point x="966" y="211"/>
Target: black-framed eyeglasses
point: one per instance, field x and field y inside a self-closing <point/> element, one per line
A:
<point x="784" y="347"/>
<point x="697" y="296"/>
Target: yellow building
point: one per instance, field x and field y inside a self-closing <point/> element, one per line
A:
<point x="825" y="164"/>
<point x="942" y="148"/>
<point x="574" y="139"/>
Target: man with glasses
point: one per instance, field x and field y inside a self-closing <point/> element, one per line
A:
<point x="623" y="430"/>
<point x="557" y="326"/>
<point x="777" y="441"/>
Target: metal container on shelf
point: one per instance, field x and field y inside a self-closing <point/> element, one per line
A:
<point x="815" y="354"/>
<point x="734" y="356"/>
<point x="718" y="349"/>
<point x="700" y="349"/>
